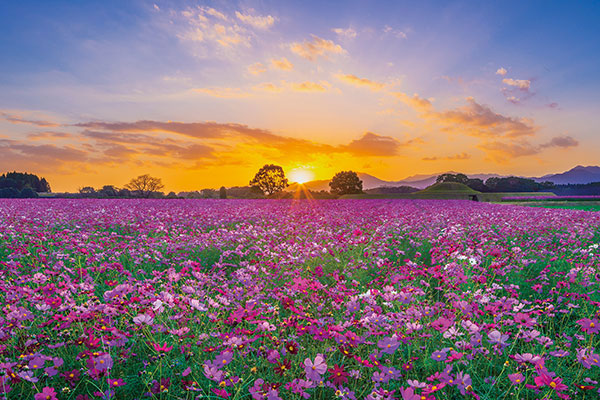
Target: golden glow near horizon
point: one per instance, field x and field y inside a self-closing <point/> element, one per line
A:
<point x="301" y="175"/>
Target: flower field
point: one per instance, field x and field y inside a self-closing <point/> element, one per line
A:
<point x="348" y="299"/>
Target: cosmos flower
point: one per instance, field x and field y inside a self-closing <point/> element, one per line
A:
<point x="315" y="369"/>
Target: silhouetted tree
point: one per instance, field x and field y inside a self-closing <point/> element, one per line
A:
<point x="345" y="182"/>
<point x="21" y="180"/>
<point x="222" y="192"/>
<point x="87" y="191"/>
<point x="108" y="191"/>
<point x="145" y="185"/>
<point x="28" y="193"/>
<point x="9" y="193"/>
<point x="270" y="179"/>
<point x="516" y="184"/>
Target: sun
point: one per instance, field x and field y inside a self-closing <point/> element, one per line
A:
<point x="301" y="175"/>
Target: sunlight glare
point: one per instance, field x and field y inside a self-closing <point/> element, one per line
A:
<point x="301" y="175"/>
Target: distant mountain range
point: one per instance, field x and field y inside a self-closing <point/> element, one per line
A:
<point x="577" y="175"/>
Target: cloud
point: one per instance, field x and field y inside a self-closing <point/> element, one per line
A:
<point x="257" y="21"/>
<point x="501" y="71"/>
<point x="224" y="92"/>
<point x="371" y="144"/>
<point x="315" y="48"/>
<point x="282" y="64"/>
<point x="399" y="34"/>
<point x="18" y="119"/>
<point x="311" y="86"/>
<point x="211" y="28"/>
<point x="521" y="84"/>
<point x="268" y="87"/>
<point x="49" y="135"/>
<point x="138" y="136"/>
<point x="257" y="68"/>
<point x="360" y="82"/>
<point x="347" y="33"/>
<point x="415" y="101"/>
<point x="478" y="120"/>
<point x="456" y="157"/>
<point x="503" y="151"/>
<point x="561" y="141"/>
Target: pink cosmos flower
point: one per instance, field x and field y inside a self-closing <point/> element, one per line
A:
<point x="547" y="380"/>
<point x="589" y="325"/>
<point x="315" y="369"/>
<point x="47" y="393"/>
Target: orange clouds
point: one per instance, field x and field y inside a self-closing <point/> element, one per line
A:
<point x="257" y="21"/>
<point x="356" y="81"/>
<point x="282" y="64"/>
<point x="257" y="68"/>
<point x="461" y="156"/>
<point x="315" y="48"/>
<point x="371" y="144"/>
<point x="522" y="84"/>
<point x="478" y="120"/>
<point x="18" y="119"/>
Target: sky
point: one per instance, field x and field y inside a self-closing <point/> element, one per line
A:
<point x="203" y="93"/>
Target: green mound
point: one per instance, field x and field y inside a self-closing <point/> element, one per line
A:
<point x="448" y="188"/>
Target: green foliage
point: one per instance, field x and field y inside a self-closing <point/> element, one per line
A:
<point x="222" y="192"/>
<point x="270" y="179"/>
<point x="345" y="182"/>
<point x="23" y="180"/>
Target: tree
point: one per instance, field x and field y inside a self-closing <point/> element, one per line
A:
<point x="108" y="191"/>
<point x="345" y="182"/>
<point x="28" y="193"/>
<point x="145" y="185"/>
<point x="460" y="178"/>
<point x="21" y="180"/>
<point x="222" y="192"/>
<point x="87" y="191"/>
<point x="270" y="179"/>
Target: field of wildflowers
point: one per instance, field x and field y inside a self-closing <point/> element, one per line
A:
<point x="348" y="299"/>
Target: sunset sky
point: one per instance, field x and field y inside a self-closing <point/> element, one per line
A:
<point x="202" y="94"/>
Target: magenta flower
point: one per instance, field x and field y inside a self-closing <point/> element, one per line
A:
<point x="47" y="393"/>
<point x="315" y="369"/>
<point x="589" y="325"/>
<point x="409" y="394"/>
<point x="116" y="382"/>
<point x="516" y="379"/>
<point x="554" y="383"/>
<point x="439" y="355"/>
<point x="388" y="345"/>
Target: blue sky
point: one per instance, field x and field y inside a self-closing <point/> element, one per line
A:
<point x="390" y="88"/>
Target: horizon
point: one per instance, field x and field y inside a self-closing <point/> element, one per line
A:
<point x="204" y="93"/>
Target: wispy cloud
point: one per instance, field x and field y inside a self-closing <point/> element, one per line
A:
<point x="316" y="47"/>
<point x="455" y="157"/>
<point x="257" y="68"/>
<point x="19" y="119"/>
<point x="257" y="21"/>
<point x="501" y="71"/>
<point x="345" y="33"/>
<point x="282" y="64"/>
<point x="360" y="82"/>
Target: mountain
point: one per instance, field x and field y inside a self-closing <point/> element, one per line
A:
<point x="579" y="174"/>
